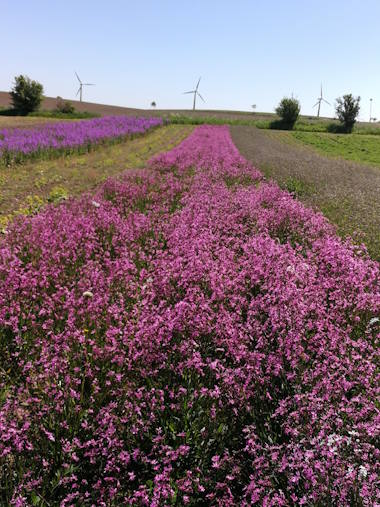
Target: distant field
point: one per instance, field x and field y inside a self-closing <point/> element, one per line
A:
<point x="347" y="192"/>
<point x="261" y="120"/>
<point x="266" y="121"/>
<point x="360" y="148"/>
<point x="23" y="121"/>
<point x="50" y="103"/>
<point x="25" y="188"/>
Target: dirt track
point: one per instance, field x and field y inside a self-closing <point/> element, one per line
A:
<point x="348" y="193"/>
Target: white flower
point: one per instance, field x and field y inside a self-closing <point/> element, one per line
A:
<point x="373" y="320"/>
<point x="96" y="204"/>
<point x="363" y="472"/>
<point x="88" y="294"/>
<point x="332" y="439"/>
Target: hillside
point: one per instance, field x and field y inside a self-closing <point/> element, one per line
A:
<point x="50" y="103"/>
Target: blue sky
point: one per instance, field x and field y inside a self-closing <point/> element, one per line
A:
<point x="247" y="51"/>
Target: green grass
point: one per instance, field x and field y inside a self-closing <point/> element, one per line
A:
<point x="322" y="126"/>
<point x="208" y="120"/>
<point x="50" y="114"/>
<point x="25" y="188"/>
<point x="303" y="124"/>
<point x="359" y="148"/>
<point x="68" y="116"/>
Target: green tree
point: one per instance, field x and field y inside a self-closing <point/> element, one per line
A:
<point x="288" y="110"/>
<point x="347" y="110"/>
<point x="26" y="94"/>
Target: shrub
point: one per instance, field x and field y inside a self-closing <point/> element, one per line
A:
<point x="26" y="94"/>
<point x="336" y="128"/>
<point x="288" y="110"/>
<point x="64" y="106"/>
<point x="347" y="110"/>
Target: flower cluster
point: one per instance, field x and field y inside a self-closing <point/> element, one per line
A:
<point x="190" y="335"/>
<point x="66" y="136"/>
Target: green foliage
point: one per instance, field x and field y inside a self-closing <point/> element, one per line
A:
<point x="26" y="94"/>
<point x="8" y="112"/>
<point x="64" y="106"/>
<point x="178" y="119"/>
<point x="76" y="115"/>
<point x="303" y="124"/>
<point x="288" y="110"/>
<point x="336" y="128"/>
<point x="347" y="110"/>
<point x="57" y="194"/>
<point x="297" y="186"/>
<point x="360" y="148"/>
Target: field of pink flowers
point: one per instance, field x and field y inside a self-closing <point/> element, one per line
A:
<point x="191" y="335"/>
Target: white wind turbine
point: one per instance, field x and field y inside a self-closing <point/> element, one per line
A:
<point x="319" y="101"/>
<point x="81" y="85"/>
<point x="195" y="92"/>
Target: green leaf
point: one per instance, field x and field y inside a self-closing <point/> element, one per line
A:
<point x="36" y="499"/>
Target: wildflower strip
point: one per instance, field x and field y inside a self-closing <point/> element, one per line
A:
<point x="65" y="137"/>
<point x="192" y="335"/>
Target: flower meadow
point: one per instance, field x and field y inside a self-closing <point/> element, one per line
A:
<point x="190" y="335"/>
<point x="65" y="137"/>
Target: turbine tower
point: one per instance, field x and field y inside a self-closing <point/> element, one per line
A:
<point x="319" y="101"/>
<point x="81" y="85"/>
<point x="195" y="92"/>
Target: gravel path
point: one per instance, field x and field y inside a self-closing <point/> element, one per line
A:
<point x="348" y="193"/>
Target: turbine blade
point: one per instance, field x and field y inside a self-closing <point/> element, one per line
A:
<point x="184" y="93"/>
<point x="78" y="77"/>
<point x="196" y="88"/>
<point x="201" y="97"/>
<point x="89" y="84"/>
<point x="316" y="103"/>
<point x="324" y="100"/>
<point x="77" y="92"/>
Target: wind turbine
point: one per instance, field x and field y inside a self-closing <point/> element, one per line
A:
<point x="195" y="92"/>
<point x="81" y="85"/>
<point x="319" y="101"/>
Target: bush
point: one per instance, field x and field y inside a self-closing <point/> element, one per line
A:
<point x="64" y="106"/>
<point x="26" y="95"/>
<point x="336" y="128"/>
<point x="347" y="110"/>
<point x="288" y="110"/>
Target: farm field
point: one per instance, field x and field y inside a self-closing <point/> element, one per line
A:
<point x="359" y="148"/>
<point x="188" y="334"/>
<point x="50" y="103"/>
<point x="25" y="187"/>
<point x="348" y="193"/>
<point x="262" y="120"/>
<point x="23" y="121"/>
